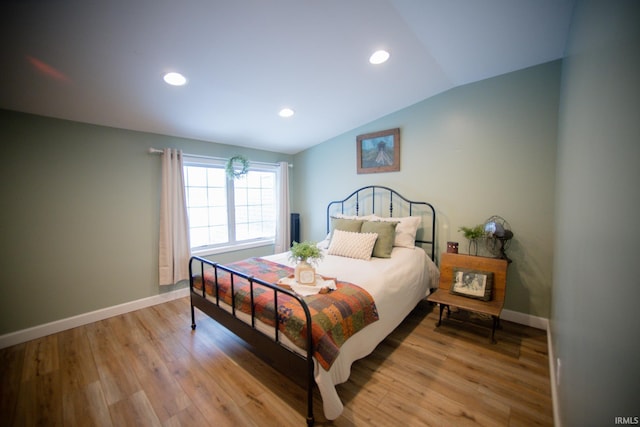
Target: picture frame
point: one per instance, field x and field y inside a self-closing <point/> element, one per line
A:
<point x="472" y="283"/>
<point x="378" y="151"/>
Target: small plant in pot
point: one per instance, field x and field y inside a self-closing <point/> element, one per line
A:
<point x="305" y="254"/>
<point x="473" y="234"/>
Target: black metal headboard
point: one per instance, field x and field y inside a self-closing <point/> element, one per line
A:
<point x="386" y="202"/>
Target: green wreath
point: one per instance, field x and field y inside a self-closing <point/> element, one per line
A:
<point x="232" y="173"/>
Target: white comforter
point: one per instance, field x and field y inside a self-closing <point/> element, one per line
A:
<point x="396" y="284"/>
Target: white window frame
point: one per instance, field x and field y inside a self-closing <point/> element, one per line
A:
<point x="231" y="245"/>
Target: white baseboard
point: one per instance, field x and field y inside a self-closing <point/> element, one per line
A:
<point x="553" y="380"/>
<point x="39" y="331"/>
<point x="525" y="319"/>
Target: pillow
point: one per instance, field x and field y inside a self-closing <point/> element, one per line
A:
<point x="472" y="283"/>
<point x="324" y="244"/>
<point x="386" y="231"/>
<point x="352" y="245"/>
<point x="346" y="224"/>
<point x="405" y="231"/>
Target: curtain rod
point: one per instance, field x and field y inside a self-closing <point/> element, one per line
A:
<point x="157" y="151"/>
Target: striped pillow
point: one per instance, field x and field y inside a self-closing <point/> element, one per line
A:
<point x="352" y="245"/>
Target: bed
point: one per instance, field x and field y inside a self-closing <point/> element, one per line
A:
<point x="318" y="337"/>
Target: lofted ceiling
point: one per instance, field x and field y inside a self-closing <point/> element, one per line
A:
<point x="102" y="62"/>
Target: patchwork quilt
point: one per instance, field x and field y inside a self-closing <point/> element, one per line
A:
<point x="336" y="315"/>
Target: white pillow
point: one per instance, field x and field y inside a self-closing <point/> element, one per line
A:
<point x="352" y="245"/>
<point x="324" y="244"/>
<point x="405" y="230"/>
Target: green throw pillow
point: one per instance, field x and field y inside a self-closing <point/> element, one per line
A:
<point x="344" y="224"/>
<point x="386" y="232"/>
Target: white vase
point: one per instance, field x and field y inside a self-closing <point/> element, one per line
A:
<point x="305" y="274"/>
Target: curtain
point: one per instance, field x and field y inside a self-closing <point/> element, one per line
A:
<point x="174" y="224"/>
<point x="283" y="224"/>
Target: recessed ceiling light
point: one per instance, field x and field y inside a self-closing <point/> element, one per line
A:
<point x="175" y="79"/>
<point x="286" y="112"/>
<point x="379" y="56"/>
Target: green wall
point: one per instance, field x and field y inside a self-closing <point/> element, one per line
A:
<point x="79" y="218"/>
<point x="478" y="150"/>
<point x="596" y="289"/>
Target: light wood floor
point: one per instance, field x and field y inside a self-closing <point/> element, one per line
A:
<point x="147" y="368"/>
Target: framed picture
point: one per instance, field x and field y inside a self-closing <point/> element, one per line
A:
<point x="472" y="283"/>
<point x="379" y="151"/>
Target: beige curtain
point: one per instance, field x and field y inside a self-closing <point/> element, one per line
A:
<point x="283" y="225"/>
<point x="175" y="250"/>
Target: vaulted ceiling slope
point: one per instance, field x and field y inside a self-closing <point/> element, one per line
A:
<point x="103" y="62"/>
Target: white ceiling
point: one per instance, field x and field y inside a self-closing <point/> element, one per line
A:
<point x="102" y="62"/>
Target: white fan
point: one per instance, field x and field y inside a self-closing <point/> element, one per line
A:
<point x="498" y="236"/>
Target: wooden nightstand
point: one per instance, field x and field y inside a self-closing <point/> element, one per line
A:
<point x="444" y="298"/>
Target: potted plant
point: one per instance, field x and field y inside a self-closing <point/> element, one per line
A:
<point x="473" y="234"/>
<point x="304" y="255"/>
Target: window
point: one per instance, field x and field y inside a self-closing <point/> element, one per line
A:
<point x="226" y="213"/>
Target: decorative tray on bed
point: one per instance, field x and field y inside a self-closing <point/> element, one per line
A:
<point x="323" y="285"/>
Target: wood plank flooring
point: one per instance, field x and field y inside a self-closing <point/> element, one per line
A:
<point x="147" y="368"/>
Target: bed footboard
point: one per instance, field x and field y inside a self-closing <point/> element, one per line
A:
<point x="280" y="356"/>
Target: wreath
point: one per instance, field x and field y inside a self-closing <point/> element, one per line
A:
<point x="232" y="171"/>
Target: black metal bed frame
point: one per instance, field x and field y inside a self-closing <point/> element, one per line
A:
<point x="282" y="357"/>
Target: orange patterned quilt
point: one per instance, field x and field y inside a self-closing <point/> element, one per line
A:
<point x="336" y="315"/>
